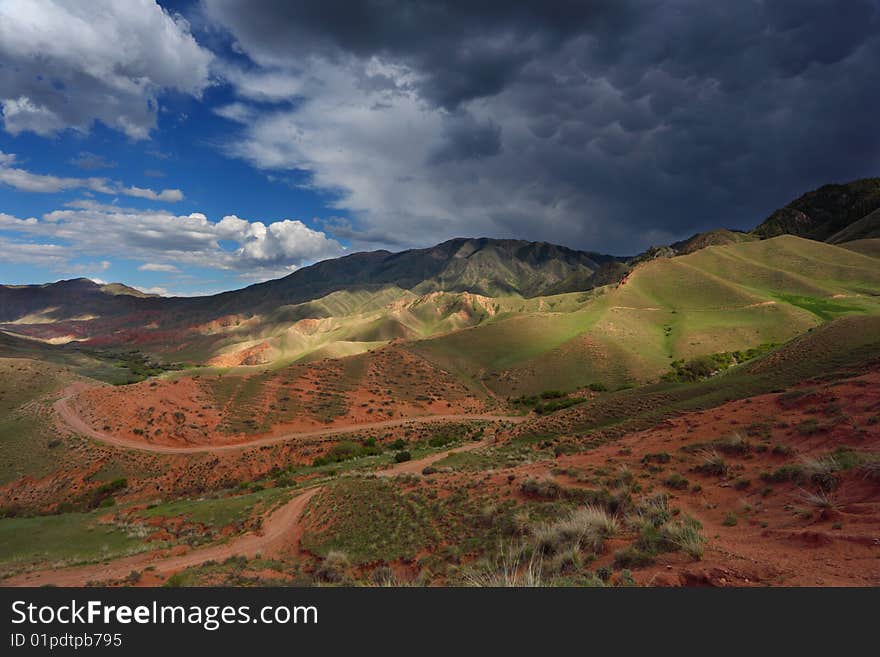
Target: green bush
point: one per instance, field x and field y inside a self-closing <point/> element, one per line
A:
<point x="440" y="441"/>
<point x="656" y="457"/>
<point x="788" y="472"/>
<point x="345" y="451"/>
<point x="632" y="557"/>
<point x="543" y="488"/>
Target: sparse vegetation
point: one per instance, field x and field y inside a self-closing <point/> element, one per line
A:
<point x="703" y="367"/>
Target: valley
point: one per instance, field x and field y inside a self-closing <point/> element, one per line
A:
<point x="484" y="412"/>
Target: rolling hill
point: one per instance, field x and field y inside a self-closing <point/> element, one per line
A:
<point x="736" y="295"/>
<point x="507" y="316"/>
<point x="721" y="298"/>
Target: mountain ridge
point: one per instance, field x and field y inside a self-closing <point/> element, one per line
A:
<point x="484" y="266"/>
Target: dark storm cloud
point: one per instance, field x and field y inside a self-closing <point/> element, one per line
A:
<point x="465" y="138"/>
<point x="466" y="49"/>
<point x="608" y="124"/>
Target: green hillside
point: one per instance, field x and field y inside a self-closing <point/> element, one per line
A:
<point x="845" y="346"/>
<point x="721" y="298"/>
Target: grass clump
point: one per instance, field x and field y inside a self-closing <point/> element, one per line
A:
<point x="659" y="533"/>
<point x="585" y="527"/>
<point x="656" y="457"/>
<point x="508" y="571"/>
<point x="676" y="482"/>
<point x="733" y="444"/>
<point x="333" y="568"/>
<point x="821" y="499"/>
<point x="541" y="488"/>
<point x="712" y="463"/>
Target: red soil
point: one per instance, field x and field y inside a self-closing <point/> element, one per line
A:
<point x="779" y="537"/>
<point x="388" y="385"/>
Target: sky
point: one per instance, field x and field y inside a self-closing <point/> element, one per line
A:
<point x="195" y="146"/>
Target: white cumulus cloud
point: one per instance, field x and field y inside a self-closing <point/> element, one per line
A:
<point x="27" y="181"/>
<point x="155" y="266"/>
<point x="68" y="63"/>
<point x="165" y="242"/>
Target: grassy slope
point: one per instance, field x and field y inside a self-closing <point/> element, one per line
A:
<point x="69" y="538"/>
<point x="868" y="247"/>
<point x="28" y="443"/>
<point x="65" y="538"/>
<point x="718" y="299"/>
<point x="844" y="344"/>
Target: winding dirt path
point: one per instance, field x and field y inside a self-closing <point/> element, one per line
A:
<point x="75" y="422"/>
<point x="281" y="533"/>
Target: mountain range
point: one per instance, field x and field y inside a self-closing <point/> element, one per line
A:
<point x="358" y="302"/>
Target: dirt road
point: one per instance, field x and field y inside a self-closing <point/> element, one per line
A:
<point x="75" y="422"/>
<point x="281" y="533"/>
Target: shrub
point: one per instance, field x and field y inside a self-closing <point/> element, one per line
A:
<point x="732" y="444"/>
<point x="652" y="512"/>
<point x="587" y="526"/>
<point x="871" y="469"/>
<point x="440" y="441"/>
<point x="384" y="576"/>
<point x="730" y="519"/>
<point x="429" y="470"/>
<point x="820" y="499"/>
<point x="809" y="427"/>
<point x="333" y="568"/>
<point x="346" y="450"/>
<point x="545" y="488"/>
<point x="712" y="464"/>
<point x="656" y="457"/>
<point x="103" y="495"/>
<point x="626" y="578"/>
<point x="686" y="536"/>
<point x="676" y="481"/>
<point x="788" y="472"/>
<point x="821" y="472"/>
<point x="401" y="457"/>
<point x="632" y="557"/>
<point x="176" y="580"/>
